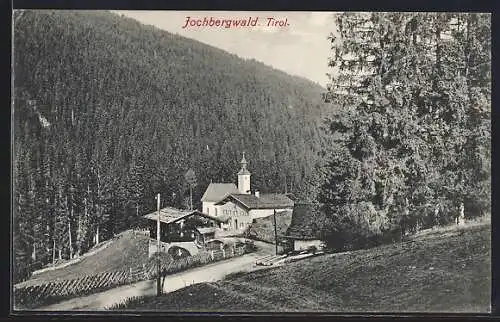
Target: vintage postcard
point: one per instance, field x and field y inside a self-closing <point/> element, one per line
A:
<point x="231" y="161"/>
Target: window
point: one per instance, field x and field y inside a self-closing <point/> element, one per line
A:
<point x="208" y="211"/>
<point x="215" y="211"/>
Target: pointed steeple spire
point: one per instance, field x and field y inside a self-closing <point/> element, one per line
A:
<point x="244" y="177"/>
<point x="244" y="163"/>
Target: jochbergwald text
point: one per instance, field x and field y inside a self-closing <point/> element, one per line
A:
<point x="199" y="22"/>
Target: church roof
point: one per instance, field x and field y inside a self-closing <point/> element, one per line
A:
<point x="216" y="191"/>
<point x="264" y="201"/>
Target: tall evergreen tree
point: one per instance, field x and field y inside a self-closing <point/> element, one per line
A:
<point x="399" y="141"/>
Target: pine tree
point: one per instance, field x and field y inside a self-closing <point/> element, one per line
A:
<point x="135" y="186"/>
<point x="191" y="183"/>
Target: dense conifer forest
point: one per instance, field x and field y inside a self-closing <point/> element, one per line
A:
<point x="108" y="112"/>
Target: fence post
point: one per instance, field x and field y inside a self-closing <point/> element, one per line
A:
<point x="223" y="253"/>
<point x="212" y="254"/>
<point x="232" y="251"/>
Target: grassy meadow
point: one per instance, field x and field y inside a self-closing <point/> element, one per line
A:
<point x="441" y="270"/>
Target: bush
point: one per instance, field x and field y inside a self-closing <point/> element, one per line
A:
<point x="178" y="252"/>
<point x="476" y="207"/>
<point x="359" y="226"/>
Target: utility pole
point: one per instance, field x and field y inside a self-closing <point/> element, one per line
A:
<point x="158" y="263"/>
<point x="275" y="232"/>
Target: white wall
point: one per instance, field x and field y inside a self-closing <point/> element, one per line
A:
<point x="259" y="213"/>
<point x="304" y="244"/>
<point x="238" y="215"/>
<point x="244" y="183"/>
<point x="153" y="247"/>
<point x="211" y="209"/>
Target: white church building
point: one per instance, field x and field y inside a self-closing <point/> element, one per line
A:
<point x="237" y="206"/>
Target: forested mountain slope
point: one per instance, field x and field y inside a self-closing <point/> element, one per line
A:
<point x="108" y="112"/>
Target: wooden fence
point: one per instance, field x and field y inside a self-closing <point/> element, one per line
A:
<point x="200" y="259"/>
<point x="40" y="294"/>
<point x="30" y="296"/>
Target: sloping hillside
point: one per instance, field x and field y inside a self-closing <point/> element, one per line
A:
<point x="441" y="272"/>
<point x="108" y="112"/>
<point x="127" y="250"/>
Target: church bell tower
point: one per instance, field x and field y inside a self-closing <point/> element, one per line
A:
<point x="244" y="177"/>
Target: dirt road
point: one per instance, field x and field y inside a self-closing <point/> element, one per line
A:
<point x="208" y="273"/>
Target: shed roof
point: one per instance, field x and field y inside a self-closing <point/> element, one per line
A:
<point x="170" y="215"/>
<point x="216" y="191"/>
<point x="264" y="201"/>
<point x="307" y="220"/>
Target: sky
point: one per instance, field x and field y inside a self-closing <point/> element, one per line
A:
<point x="299" y="48"/>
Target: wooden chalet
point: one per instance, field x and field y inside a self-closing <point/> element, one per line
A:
<point x="181" y="227"/>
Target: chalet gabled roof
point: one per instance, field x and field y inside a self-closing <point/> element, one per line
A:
<point x="264" y="201"/>
<point x="307" y="220"/>
<point x="169" y="215"/>
<point x="217" y="191"/>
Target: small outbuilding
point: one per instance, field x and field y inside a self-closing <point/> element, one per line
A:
<point x="305" y="229"/>
<point x="204" y="235"/>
